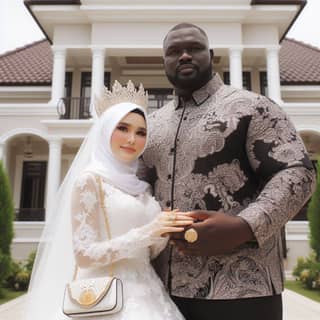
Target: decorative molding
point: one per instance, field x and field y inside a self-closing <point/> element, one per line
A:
<point x="301" y="109"/>
<point x="17" y="131"/>
<point x="27" y="110"/>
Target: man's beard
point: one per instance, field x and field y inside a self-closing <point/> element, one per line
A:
<point x="193" y="82"/>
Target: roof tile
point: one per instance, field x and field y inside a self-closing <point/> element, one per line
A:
<point x="299" y="63"/>
<point x="28" y="65"/>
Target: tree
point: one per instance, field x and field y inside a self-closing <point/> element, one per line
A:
<point x="314" y="216"/>
<point x="6" y="224"/>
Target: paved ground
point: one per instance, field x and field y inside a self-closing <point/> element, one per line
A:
<point x="296" y="307"/>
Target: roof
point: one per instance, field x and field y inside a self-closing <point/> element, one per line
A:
<point x="32" y="64"/>
<point x="28" y="65"/>
<point x="55" y="2"/>
<point x="272" y="2"/>
<point x="299" y="63"/>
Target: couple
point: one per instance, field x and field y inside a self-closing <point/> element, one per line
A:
<point x="213" y="156"/>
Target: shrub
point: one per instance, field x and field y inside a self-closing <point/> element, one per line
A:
<point x="20" y="273"/>
<point x="308" y="272"/>
<point x="314" y="217"/>
<point x="6" y="224"/>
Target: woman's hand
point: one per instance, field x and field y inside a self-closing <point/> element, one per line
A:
<point x="169" y="222"/>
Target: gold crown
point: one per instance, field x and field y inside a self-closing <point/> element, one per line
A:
<point x="120" y="94"/>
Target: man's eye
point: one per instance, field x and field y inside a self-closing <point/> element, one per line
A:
<point x="172" y="51"/>
<point x="196" y="48"/>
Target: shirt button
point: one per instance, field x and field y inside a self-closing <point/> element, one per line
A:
<point x="185" y="118"/>
<point x="169" y="176"/>
<point x="168" y="203"/>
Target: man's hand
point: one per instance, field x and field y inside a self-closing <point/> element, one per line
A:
<point x="218" y="233"/>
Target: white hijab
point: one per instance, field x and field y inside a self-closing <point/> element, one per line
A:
<point x="102" y="162"/>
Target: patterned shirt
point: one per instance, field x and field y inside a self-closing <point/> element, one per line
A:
<point x="237" y="152"/>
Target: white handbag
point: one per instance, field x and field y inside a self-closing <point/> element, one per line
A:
<point x="95" y="296"/>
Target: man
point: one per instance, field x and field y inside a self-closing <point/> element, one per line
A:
<point x="233" y="160"/>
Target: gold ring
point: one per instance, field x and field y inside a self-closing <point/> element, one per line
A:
<point x="191" y="235"/>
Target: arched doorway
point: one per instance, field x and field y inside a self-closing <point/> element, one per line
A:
<point x="27" y="157"/>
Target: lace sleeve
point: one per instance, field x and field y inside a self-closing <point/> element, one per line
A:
<point x="89" y="247"/>
<point x="158" y="246"/>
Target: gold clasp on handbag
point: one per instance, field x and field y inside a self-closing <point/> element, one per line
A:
<point x="88" y="295"/>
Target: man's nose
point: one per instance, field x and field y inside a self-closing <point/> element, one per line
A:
<point x="185" y="56"/>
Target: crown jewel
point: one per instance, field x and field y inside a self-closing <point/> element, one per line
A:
<point x="120" y="94"/>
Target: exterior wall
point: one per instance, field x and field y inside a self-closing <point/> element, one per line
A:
<point x="297" y="243"/>
<point x="81" y="38"/>
<point x="26" y="238"/>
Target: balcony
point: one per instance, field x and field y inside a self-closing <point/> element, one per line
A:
<point x="74" y="108"/>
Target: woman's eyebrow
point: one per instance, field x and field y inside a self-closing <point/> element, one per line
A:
<point x="124" y="124"/>
<point x="129" y="125"/>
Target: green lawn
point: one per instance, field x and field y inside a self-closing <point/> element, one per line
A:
<point x="10" y="294"/>
<point x="297" y="287"/>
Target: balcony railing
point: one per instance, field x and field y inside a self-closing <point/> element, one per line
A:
<point x="30" y="214"/>
<point x="74" y="108"/>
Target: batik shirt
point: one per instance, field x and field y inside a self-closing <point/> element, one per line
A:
<point x="236" y="152"/>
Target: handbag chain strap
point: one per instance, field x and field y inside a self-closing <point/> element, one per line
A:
<point x="102" y="203"/>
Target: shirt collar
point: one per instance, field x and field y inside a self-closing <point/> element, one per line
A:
<point x="201" y="95"/>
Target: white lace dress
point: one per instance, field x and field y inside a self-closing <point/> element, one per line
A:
<point x="129" y="251"/>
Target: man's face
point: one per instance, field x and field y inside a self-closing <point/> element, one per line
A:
<point x="187" y="59"/>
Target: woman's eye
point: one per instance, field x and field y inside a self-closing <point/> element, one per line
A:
<point x="122" y="128"/>
<point x="141" y="133"/>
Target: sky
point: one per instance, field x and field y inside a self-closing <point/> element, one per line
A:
<point x="17" y="27"/>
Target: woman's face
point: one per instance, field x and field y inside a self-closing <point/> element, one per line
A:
<point x="129" y="137"/>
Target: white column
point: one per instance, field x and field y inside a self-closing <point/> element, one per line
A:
<point x="58" y="74"/>
<point x="54" y="169"/>
<point x="273" y="74"/>
<point x="97" y="76"/>
<point x="235" y="65"/>
<point x="3" y="156"/>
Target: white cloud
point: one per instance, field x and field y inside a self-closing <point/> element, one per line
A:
<point x="18" y="28"/>
<point x="307" y="27"/>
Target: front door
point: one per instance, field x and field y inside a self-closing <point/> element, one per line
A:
<point x="32" y="191"/>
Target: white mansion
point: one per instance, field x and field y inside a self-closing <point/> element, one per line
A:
<point x="45" y="87"/>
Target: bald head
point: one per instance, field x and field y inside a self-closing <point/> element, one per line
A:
<point x="184" y="25"/>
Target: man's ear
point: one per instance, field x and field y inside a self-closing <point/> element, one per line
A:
<point x="211" y="54"/>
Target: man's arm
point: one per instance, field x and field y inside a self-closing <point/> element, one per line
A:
<point x="278" y="157"/>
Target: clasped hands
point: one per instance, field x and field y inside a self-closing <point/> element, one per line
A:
<point x="216" y="232"/>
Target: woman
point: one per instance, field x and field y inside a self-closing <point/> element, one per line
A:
<point x="107" y="159"/>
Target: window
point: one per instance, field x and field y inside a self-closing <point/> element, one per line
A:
<point x="68" y="84"/>
<point x="83" y="106"/>
<point x="246" y="79"/>
<point x="263" y="83"/>
<point x="86" y="83"/>
<point x="158" y="98"/>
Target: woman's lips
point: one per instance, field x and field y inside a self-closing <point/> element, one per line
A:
<point x="128" y="149"/>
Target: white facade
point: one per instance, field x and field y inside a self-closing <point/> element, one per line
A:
<point x="125" y="40"/>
